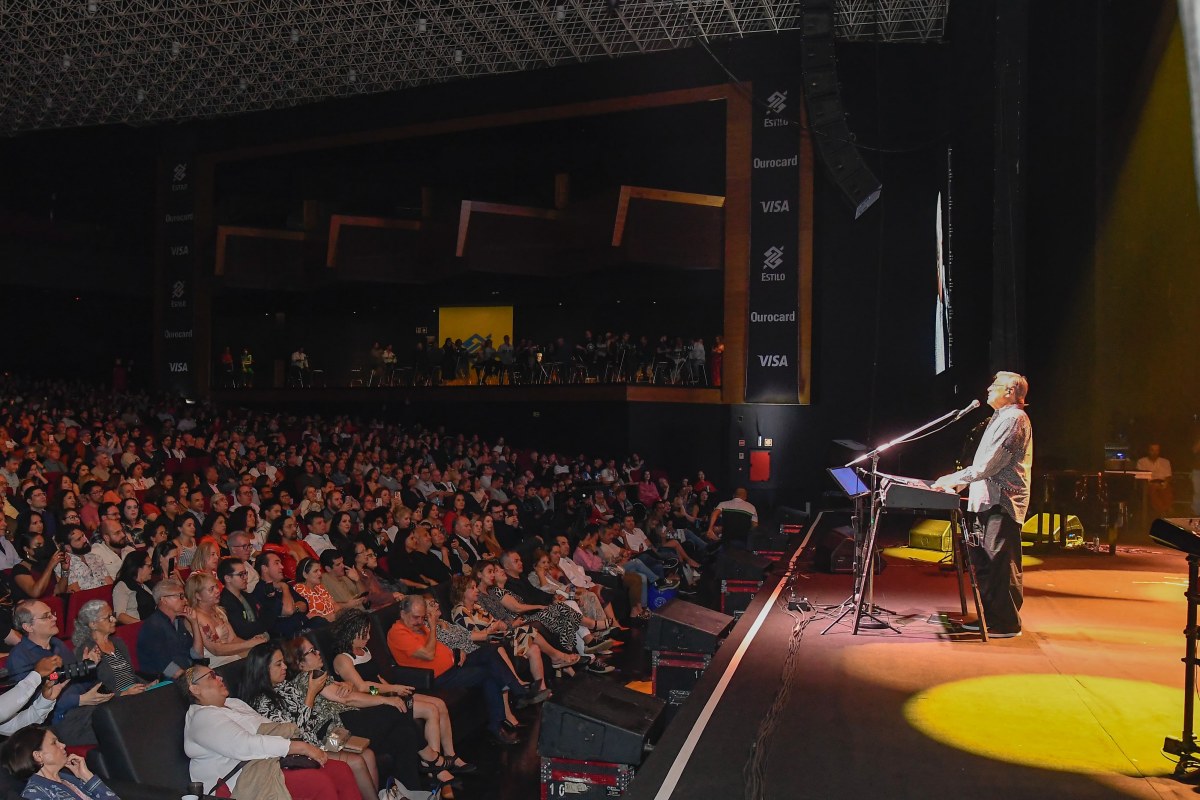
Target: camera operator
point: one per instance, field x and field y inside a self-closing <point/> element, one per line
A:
<point x="16" y="715"/>
<point x="72" y="718"/>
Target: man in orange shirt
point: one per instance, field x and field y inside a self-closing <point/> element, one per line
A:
<point x="414" y="643"/>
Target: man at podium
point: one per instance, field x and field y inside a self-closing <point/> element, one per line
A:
<point x="997" y="500"/>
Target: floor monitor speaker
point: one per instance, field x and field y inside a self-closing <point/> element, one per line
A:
<point x="591" y="719"/>
<point x="684" y="627"/>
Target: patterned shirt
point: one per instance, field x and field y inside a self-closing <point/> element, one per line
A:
<point x="999" y="474"/>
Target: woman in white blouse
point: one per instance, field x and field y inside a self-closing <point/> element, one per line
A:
<point x="220" y="731"/>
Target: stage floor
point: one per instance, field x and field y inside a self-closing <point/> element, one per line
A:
<point x="1077" y="707"/>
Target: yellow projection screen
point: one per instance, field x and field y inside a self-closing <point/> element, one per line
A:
<point x="474" y="324"/>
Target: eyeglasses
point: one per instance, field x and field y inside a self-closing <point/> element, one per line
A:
<point x="177" y="594"/>
<point x="194" y="681"/>
<point x="306" y="653"/>
<point x="47" y="615"/>
<point x="240" y="574"/>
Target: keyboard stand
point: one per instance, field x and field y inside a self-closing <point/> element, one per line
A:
<point x="962" y="555"/>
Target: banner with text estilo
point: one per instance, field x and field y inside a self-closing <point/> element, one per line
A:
<point x="177" y="270"/>
<point x="772" y="344"/>
<point x="475" y="324"/>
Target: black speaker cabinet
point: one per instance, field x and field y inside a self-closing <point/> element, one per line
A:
<point x="592" y="719"/>
<point x="740" y="565"/>
<point x="685" y="627"/>
<point x="834" y="551"/>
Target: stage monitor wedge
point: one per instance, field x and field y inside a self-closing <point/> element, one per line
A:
<point x="683" y="627"/>
<point x="591" y="719"/>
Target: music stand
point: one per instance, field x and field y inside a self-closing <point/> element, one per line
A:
<point x="852" y="486"/>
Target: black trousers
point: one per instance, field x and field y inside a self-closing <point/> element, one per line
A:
<point x="394" y="736"/>
<point x="996" y="553"/>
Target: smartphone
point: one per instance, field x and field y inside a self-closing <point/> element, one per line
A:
<point x="170" y="566"/>
<point x="318" y="674"/>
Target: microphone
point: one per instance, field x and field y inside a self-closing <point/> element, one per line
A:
<point x="974" y="405"/>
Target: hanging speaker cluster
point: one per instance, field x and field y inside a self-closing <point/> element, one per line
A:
<point x="826" y="116"/>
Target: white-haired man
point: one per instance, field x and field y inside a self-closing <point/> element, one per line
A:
<point x="997" y="501"/>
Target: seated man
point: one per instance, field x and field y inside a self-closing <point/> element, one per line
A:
<point x="85" y="567"/>
<point x="72" y="718"/>
<point x="340" y="581"/>
<point x="276" y="608"/>
<point x="169" y="640"/>
<point x="234" y="574"/>
<point x="413" y="643"/>
<point x="737" y="517"/>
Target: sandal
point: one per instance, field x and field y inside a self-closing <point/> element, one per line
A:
<point x="433" y="767"/>
<point x="570" y="661"/>
<point x="457" y="765"/>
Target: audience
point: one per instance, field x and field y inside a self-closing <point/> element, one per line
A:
<point x="219" y="529"/>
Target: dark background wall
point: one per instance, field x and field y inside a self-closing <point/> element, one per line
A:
<point x="76" y="222"/>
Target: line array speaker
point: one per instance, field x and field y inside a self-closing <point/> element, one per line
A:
<point x="827" y="116"/>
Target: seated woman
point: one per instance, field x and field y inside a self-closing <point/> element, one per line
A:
<point x="265" y="686"/>
<point x="208" y="553"/>
<point x="384" y="719"/>
<point x="519" y="641"/>
<point x="609" y="590"/>
<point x="320" y="603"/>
<point x="354" y="665"/>
<point x="588" y="555"/>
<point x="219" y="732"/>
<point x="379" y="593"/>
<point x="164" y="562"/>
<point x="35" y="754"/>
<point x="132" y="600"/>
<point x="34" y="575"/>
<point x="216" y="527"/>
<point x="543" y="577"/>
<point x="132" y="519"/>
<point x="221" y="644"/>
<point x="94" y="628"/>
<point x="560" y="622"/>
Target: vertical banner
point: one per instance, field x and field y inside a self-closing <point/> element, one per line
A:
<point x="176" y="267"/>
<point x="772" y="347"/>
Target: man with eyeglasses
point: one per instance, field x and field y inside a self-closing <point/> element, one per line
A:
<point x="170" y="640"/>
<point x="72" y="717"/>
<point x="243" y="615"/>
<point x="997" y="501"/>
<point x="241" y="546"/>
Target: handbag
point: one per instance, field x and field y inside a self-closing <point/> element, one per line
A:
<point x="298" y="762"/>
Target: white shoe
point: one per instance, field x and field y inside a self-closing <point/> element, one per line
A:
<point x="395" y="790"/>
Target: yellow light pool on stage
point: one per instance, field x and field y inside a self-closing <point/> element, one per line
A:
<point x="1071" y="723"/>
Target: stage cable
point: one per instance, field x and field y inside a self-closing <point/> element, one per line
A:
<point x="754" y="771"/>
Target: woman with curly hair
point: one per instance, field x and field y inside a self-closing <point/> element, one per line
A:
<point x="353" y="664"/>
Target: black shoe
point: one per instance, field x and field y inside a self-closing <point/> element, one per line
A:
<point x="504" y="736"/>
<point x="458" y="769"/>
<point x="530" y="699"/>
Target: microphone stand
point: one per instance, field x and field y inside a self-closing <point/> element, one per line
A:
<point x="863" y="599"/>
